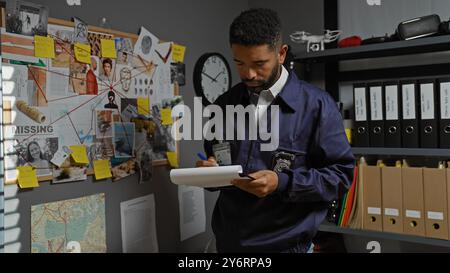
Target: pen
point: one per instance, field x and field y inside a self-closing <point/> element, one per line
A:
<point x="203" y="157"/>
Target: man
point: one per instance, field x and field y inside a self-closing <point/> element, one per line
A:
<point x="111" y="101"/>
<point x="107" y="64"/>
<point x="282" y="208"/>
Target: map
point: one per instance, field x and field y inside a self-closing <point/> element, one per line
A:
<point x="74" y="225"/>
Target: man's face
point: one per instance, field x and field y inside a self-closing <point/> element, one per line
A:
<point x="259" y="65"/>
<point x="107" y="69"/>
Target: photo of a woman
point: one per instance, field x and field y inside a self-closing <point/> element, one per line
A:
<point x="35" y="157"/>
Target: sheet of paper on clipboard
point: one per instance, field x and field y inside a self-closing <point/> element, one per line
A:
<point x="207" y="177"/>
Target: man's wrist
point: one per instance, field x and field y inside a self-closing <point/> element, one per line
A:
<point x="283" y="182"/>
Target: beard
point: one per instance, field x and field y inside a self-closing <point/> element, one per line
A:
<point x="258" y="86"/>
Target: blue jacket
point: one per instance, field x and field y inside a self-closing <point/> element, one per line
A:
<point x="310" y="127"/>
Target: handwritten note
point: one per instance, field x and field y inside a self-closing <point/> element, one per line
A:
<point x="79" y="154"/>
<point x="82" y="53"/>
<point x="102" y="169"/>
<point x="166" y="116"/>
<point x="108" y="48"/>
<point x="44" y="47"/>
<point x="143" y="105"/>
<point x="27" y="177"/>
<point x="178" y="53"/>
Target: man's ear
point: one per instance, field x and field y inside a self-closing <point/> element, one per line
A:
<point x="282" y="53"/>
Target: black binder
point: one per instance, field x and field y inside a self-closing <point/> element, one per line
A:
<point x="428" y="114"/>
<point x="376" y="121"/>
<point x="410" y="114"/>
<point x="361" y="108"/>
<point x="444" y="113"/>
<point x="393" y="106"/>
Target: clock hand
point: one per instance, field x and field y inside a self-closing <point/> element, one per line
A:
<point x="212" y="79"/>
<point x="218" y="75"/>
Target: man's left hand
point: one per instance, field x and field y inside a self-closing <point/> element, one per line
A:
<point x="265" y="182"/>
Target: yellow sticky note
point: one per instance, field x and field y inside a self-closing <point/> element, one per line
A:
<point x="143" y="105"/>
<point x="102" y="169"/>
<point x="166" y="116"/>
<point x="79" y="154"/>
<point x="82" y="53"/>
<point x="173" y="159"/>
<point x="27" y="177"/>
<point x="178" y="53"/>
<point x="348" y="133"/>
<point x="108" y="48"/>
<point x="44" y="47"/>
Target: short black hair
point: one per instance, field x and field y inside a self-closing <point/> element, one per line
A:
<point x="256" y="27"/>
<point x="107" y="60"/>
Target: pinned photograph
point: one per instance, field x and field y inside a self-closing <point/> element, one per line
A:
<point x="102" y="148"/>
<point x="80" y="31"/>
<point x="94" y="39"/>
<point x="177" y="73"/>
<point x="145" y="159"/>
<point x="26" y="18"/>
<point x="124" y="47"/>
<point x="123" y="170"/>
<point x="37" y="152"/>
<point x="106" y="75"/>
<point x="69" y="174"/>
<point x="124" y="80"/>
<point x="128" y="109"/>
<point x="145" y="44"/>
<point x="104" y="124"/>
<point x="63" y="45"/>
<point x="123" y="139"/>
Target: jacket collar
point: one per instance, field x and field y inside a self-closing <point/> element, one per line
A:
<point x="290" y="94"/>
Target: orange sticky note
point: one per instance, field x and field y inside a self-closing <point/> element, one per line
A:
<point x="178" y="53"/>
<point x="173" y="159"/>
<point x="143" y="105"/>
<point x="102" y="169"/>
<point x="166" y="116"/>
<point x="44" y="47"/>
<point x="108" y="48"/>
<point x="27" y="177"/>
<point x="79" y="154"/>
<point x="82" y="53"/>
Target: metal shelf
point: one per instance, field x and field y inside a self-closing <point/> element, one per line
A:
<point x="385" y="235"/>
<point x="423" y="45"/>
<point x="401" y="151"/>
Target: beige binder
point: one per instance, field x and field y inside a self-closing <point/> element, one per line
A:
<point x="372" y="198"/>
<point x="392" y="199"/>
<point x="413" y="214"/>
<point x="435" y="200"/>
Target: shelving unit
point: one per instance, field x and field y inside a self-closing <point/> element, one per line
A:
<point x="424" y="45"/>
<point x="331" y="59"/>
<point x="385" y="235"/>
<point x="401" y="151"/>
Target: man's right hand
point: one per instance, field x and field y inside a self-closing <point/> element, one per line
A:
<point x="211" y="162"/>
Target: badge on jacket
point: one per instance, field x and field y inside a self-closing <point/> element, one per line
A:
<point x="282" y="161"/>
<point x="222" y="153"/>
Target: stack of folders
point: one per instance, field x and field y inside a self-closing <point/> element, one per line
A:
<point x="399" y="199"/>
<point x="410" y="114"/>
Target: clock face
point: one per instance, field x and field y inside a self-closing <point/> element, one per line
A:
<point x="212" y="77"/>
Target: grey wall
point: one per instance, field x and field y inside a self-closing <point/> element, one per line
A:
<point x="356" y="17"/>
<point x="202" y="26"/>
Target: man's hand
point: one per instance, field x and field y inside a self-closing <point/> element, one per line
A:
<point x="264" y="184"/>
<point x="211" y="162"/>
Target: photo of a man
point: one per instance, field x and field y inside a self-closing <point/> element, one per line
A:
<point x="111" y="101"/>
